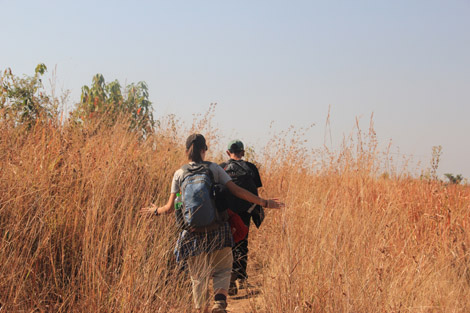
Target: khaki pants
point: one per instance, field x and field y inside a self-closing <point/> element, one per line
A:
<point x="218" y="265"/>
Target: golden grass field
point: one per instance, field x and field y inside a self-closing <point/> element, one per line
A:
<point x="350" y="238"/>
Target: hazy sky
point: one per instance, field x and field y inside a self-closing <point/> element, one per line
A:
<point x="408" y="62"/>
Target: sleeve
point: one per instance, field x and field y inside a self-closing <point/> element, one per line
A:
<point x="220" y="176"/>
<point x="257" y="177"/>
<point x="175" y="183"/>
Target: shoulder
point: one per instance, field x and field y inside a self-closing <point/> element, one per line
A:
<point x="256" y="175"/>
<point x="252" y="166"/>
<point x="220" y="175"/>
<point x="178" y="174"/>
<point x="214" y="166"/>
<point x="249" y="163"/>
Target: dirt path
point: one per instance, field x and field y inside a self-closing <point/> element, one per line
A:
<point x="247" y="300"/>
<point x="250" y="300"/>
<point x="244" y="302"/>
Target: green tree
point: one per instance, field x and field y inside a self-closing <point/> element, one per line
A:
<point x="457" y="179"/>
<point x="107" y="103"/>
<point x="24" y="100"/>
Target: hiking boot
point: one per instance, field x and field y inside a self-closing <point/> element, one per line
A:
<point x="232" y="289"/>
<point x="219" y="306"/>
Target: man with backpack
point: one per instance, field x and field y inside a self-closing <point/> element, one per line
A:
<point x="245" y="175"/>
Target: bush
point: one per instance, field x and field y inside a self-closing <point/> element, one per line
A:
<point x="24" y="101"/>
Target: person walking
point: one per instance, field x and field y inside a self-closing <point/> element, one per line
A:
<point x="246" y="175"/>
<point x="208" y="249"/>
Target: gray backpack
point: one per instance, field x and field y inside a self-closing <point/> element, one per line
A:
<point x="198" y="192"/>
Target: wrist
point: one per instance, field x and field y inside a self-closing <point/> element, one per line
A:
<point x="265" y="203"/>
<point x="156" y="212"/>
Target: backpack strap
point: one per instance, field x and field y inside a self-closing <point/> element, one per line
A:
<point x="241" y="164"/>
<point x="207" y="165"/>
<point x="191" y="168"/>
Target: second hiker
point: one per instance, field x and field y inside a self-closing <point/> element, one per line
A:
<point x="245" y="175"/>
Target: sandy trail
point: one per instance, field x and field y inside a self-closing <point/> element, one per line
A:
<point x="244" y="303"/>
<point x="247" y="300"/>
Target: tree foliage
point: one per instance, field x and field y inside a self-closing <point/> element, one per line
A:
<point x="457" y="179"/>
<point x="24" y="100"/>
<point x="107" y="102"/>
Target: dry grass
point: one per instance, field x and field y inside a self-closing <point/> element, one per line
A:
<point x="349" y="240"/>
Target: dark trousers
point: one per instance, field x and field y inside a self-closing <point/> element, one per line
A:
<point x="240" y="252"/>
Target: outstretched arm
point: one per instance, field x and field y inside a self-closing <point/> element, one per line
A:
<point x="248" y="196"/>
<point x="167" y="208"/>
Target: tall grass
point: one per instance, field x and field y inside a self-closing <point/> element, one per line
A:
<point x="355" y="240"/>
<point x="349" y="240"/>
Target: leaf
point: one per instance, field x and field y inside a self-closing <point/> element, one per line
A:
<point x="41" y="68"/>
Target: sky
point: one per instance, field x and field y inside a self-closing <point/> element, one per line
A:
<point x="278" y="63"/>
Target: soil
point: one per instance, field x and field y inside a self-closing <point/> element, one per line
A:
<point x="247" y="300"/>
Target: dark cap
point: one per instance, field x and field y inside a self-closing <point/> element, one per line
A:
<point x="235" y="146"/>
<point x="198" y="140"/>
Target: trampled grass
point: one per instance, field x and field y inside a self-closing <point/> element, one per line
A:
<point x="349" y="240"/>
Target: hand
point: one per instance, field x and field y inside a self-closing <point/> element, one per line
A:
<point x="274" y="204"/>
<point x="149" y="210"/>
